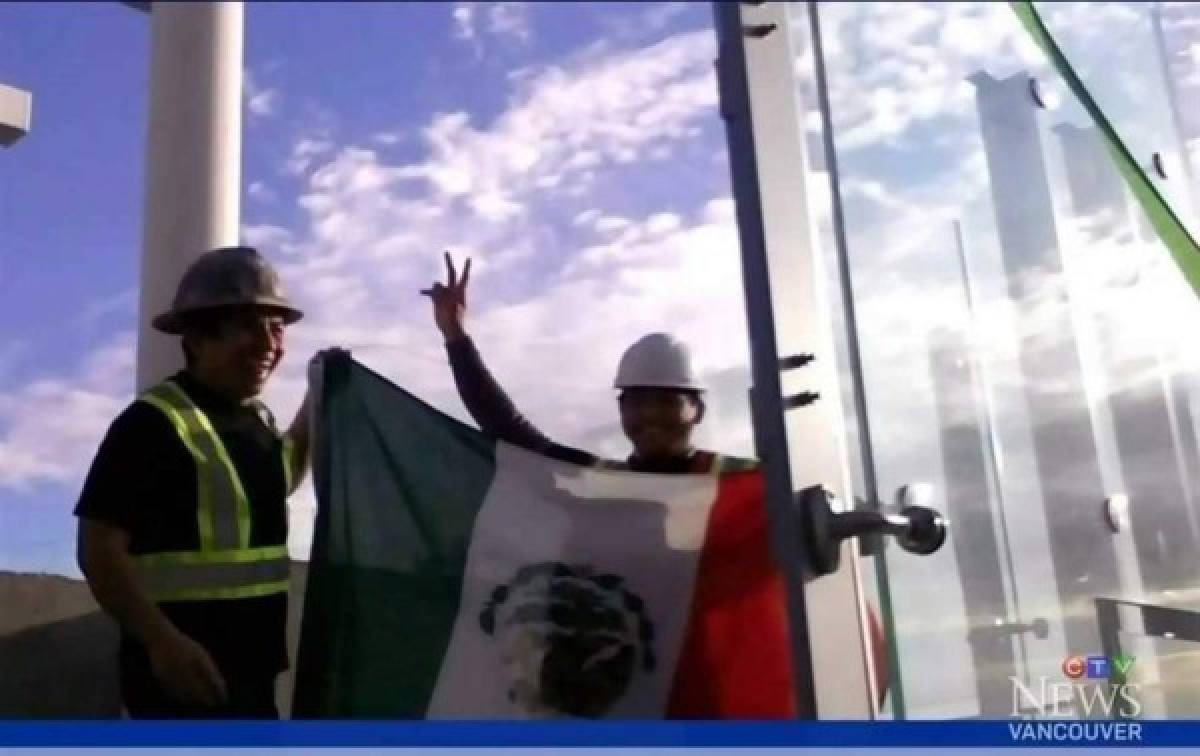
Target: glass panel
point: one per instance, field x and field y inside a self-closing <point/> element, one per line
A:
<point x="1163" y="676"/>
<point x="1022" y="330"/>
<point x="1139" y="61"/>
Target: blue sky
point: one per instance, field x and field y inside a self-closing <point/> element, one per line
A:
<point x="71" y="196"/>
<point x="573" y="149"/>
<point x="335" y="96"/>
<point x="70" y="201"/>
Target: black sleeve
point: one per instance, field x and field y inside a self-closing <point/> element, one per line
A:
<point x="494" y="411"/>
<point x="122" y="472"/>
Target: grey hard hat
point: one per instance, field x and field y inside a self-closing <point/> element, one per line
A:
<point x="226" y="277"/>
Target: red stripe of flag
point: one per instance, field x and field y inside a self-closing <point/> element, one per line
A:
<point x="736" y="660"/>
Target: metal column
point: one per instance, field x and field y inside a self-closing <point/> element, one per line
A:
<point x="788" y="315"/>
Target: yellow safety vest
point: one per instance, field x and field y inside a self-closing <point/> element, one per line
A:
<point x="223" y="566"/>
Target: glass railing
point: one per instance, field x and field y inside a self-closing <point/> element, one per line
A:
<point x="1025" y="337"/>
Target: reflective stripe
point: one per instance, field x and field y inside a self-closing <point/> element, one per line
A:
<point x="219" y="594"/>
<point x="223" y="509"/>
<point x="212" y="557"/>
<point x="289" y="465"/>
<point x="163" y="579"/>
<point x="204" y="510"/>
<point x="226" y="523"/>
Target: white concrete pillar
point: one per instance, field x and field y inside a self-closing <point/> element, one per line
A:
<point x="193" y="159"/>
<point x="16" y="108"/>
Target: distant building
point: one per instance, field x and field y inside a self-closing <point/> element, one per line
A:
<point x="1097" y="191"/>
<point x="1064" y="444"/>
<point x="1155" y="440"/>
<point x="969" y="502"/>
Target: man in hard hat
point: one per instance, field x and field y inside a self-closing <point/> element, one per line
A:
<point x="660" y="399"/>
<point x="183" y="518"/>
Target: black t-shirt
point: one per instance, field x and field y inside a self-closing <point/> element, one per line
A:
<point x="143" y="480"/>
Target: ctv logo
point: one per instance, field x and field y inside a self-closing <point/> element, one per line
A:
<point x="1087" y="693"/>
<point x="1096" y="667"/>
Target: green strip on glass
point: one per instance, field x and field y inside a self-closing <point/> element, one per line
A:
<point x="1170" y="230"/>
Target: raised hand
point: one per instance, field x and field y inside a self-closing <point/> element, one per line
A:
<point x="450" y="300"/>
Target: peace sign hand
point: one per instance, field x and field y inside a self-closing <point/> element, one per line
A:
<point x="450" y="300"/>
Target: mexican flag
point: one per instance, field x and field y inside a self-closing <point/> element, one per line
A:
<point x="455" y="576"/>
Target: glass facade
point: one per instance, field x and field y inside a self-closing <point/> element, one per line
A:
<point x="1025" y="338"/>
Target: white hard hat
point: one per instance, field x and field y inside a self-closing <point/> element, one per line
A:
<point x="657" y="360"/>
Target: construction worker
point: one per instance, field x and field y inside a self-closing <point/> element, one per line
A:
<point x="661" y="399"/>
<point x="182" y="517"/>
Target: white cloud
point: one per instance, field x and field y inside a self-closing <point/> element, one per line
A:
<point x="609" y="223"/>
<point x="509" y="20"/>
<point x="640" y="27"/>
<point x="586" y="217"/>
<point x="265" y="236"/>
<point x="304" y="151"/>
<point x="567" y="125"/>
<point x="464" y="20"/>
<point x="505" y="21"/>
<point x="892" y="66"/>
<point x="50" y="428"/>
<point x="260" y="101"/>
<point x="387" y="138"/>
<point x="661" y="223"/>
<point x="261" y="192"/>
<point x="123" y="302"/>
<point x="567" y="120"/>
<point x="263" y="103"/>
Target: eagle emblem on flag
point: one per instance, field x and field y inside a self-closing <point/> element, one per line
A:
<point x="571" y="640"/>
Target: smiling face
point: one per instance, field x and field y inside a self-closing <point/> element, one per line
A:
<point x="236" y="351"/>
<point x="659" y="421"/>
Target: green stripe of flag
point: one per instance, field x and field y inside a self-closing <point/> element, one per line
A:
<point x="1172" y="232"/>
<point x="399" y="486"/>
